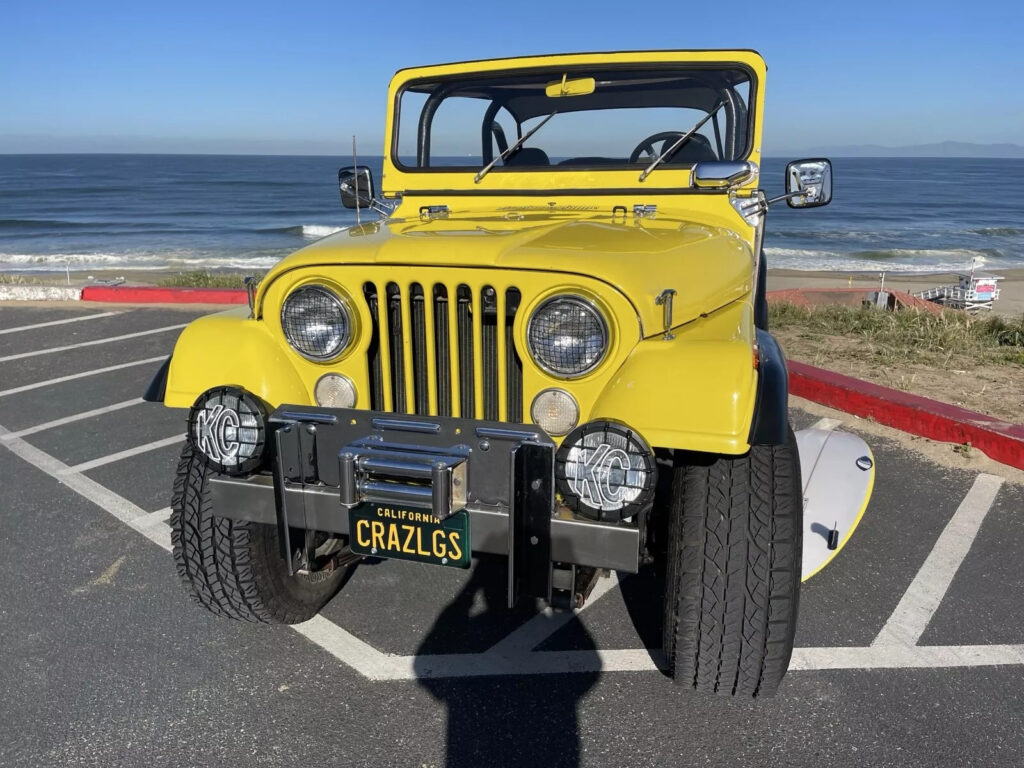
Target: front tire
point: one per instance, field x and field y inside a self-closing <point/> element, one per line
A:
<point x="732" y="588"/>
<point x="234" y="568"/>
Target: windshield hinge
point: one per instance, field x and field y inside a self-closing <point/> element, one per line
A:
<point x="429" y="212"/>
<point x="644" y="211"/>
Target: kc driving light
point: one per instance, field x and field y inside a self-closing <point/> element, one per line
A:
<point x="227" y="426"/>
<point x="605" y="471"/>
<point x="316" y="323"/>
<point x="567" y="336"/>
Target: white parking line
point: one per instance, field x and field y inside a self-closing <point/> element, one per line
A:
<point x="105" y="499"/>
<point x="154" y="527"/>
<point x="513" y="656"/>
<point x="82" y="375"/>
<point x="72" y="419"/>
<point x="32" y="327"/>
<point x="128" y="453"/>
<point x="906" y="657"/>
<point x="94" y="342"/>
<point x="547" y="622"/>
<point x="910" y="619"/>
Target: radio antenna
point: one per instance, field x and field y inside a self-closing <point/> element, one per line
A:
<point x="355" y="168"/>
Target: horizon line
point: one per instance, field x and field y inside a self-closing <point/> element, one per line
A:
<point x="774" y="156"/>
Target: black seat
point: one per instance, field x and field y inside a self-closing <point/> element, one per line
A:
<point x="528" y="156"/>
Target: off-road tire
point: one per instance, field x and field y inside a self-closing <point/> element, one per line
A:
<point x="234" y="568"/>
<point x="732" y="584"/>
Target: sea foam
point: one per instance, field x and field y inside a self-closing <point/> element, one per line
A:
<point x="892" y="260"/>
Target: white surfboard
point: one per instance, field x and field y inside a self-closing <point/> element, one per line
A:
<point x="838" y="476"/>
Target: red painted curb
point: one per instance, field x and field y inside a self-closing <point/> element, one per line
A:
<point x="917" y="415"/>
<point x="151" y="294"/>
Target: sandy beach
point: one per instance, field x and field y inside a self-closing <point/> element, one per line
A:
<point x="1011" y="287"/>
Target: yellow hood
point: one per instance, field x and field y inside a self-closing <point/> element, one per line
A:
<point x="708" y="266"/>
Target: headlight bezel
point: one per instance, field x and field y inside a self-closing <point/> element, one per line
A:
<point x="341" y="300"/>
<point x="580" y="299"/>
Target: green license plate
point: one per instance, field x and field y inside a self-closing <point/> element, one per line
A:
<point x="409" y="533"/>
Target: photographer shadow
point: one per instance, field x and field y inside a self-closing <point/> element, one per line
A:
<point x="513" y="720"/>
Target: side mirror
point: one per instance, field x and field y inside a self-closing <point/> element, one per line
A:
<point x="809" y="183"/>
<point x="355" y="183"/>
<point x="723" y="174"/>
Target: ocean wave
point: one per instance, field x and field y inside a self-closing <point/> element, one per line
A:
<point x="997" y="231"/>
<point x="891" y="260"/>
<point x="58" y="262"/>
<point x="8" y="224"/>
<point x="314" y="231"/>
<point x="311" y="231"/>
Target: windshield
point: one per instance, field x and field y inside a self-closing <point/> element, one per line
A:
<point x="607" y="119"/>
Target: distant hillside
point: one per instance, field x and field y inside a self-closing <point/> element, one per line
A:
<point x="942" y="149"/>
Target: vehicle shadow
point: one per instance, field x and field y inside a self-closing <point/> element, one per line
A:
<point x="528" y="720"/>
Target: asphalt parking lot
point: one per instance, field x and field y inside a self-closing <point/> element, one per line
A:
<point x="910" y="644"/>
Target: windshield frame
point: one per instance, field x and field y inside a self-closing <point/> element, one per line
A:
<point x="556" y="71"/>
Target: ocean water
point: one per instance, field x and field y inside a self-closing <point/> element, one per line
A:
<point x="92" y="212"/>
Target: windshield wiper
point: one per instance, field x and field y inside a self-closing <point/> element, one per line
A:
<point x="679" y="142"/>
<point x="483" y="171"/>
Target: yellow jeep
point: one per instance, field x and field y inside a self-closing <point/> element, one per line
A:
<point x="545" y="338"/>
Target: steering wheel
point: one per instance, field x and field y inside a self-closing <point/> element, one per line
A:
<point x="668" y="138"/>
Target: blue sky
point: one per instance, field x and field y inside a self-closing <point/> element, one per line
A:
<point x="304" y="76"/>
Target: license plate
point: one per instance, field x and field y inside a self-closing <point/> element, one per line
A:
<point x="409" y="533"/>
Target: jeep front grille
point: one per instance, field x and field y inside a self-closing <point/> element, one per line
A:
<point x="438" y="349"/>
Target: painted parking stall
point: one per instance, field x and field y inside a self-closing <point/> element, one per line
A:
<point x="89" y="463"/>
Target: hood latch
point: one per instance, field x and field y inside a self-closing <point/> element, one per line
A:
<point x="664" y="301"/>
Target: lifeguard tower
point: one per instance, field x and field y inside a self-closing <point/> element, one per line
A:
<point x="973" y="292"/>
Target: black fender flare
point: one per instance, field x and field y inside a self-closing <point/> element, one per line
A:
<point x="760" y="295"/>
<point x="158" y="386"/>
<point x="771" y="403"/>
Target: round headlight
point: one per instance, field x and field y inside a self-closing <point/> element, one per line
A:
<point x="316" y="323"/>
<point x="567" y="336"/>
<point x="605" y="471"/>
<point x="227" y="426"/>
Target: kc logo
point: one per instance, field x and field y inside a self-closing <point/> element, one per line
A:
<point x="594" y="478"/>
<point x="217" y="433"/>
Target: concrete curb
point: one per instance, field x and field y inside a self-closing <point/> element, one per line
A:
<point x="38" y="293"/>
<point x="999" y="440"/>
<point x="152" y="294"/>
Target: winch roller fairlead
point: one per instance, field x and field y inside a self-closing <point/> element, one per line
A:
<point x="430" y="490"/>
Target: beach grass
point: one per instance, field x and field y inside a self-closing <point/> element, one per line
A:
<point x="203" y="279"/>
<point x="909" y="334"/>
<point x="22" y="280"/>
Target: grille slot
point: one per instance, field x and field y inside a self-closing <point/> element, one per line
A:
<point x="432" y="355"/>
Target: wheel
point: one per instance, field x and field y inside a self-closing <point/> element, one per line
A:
<point x="646" y="147"/>
<point x="732" y="583"/>
<point x="234" y="568"/>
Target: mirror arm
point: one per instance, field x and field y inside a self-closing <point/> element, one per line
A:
<point x="786" y="196"/>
